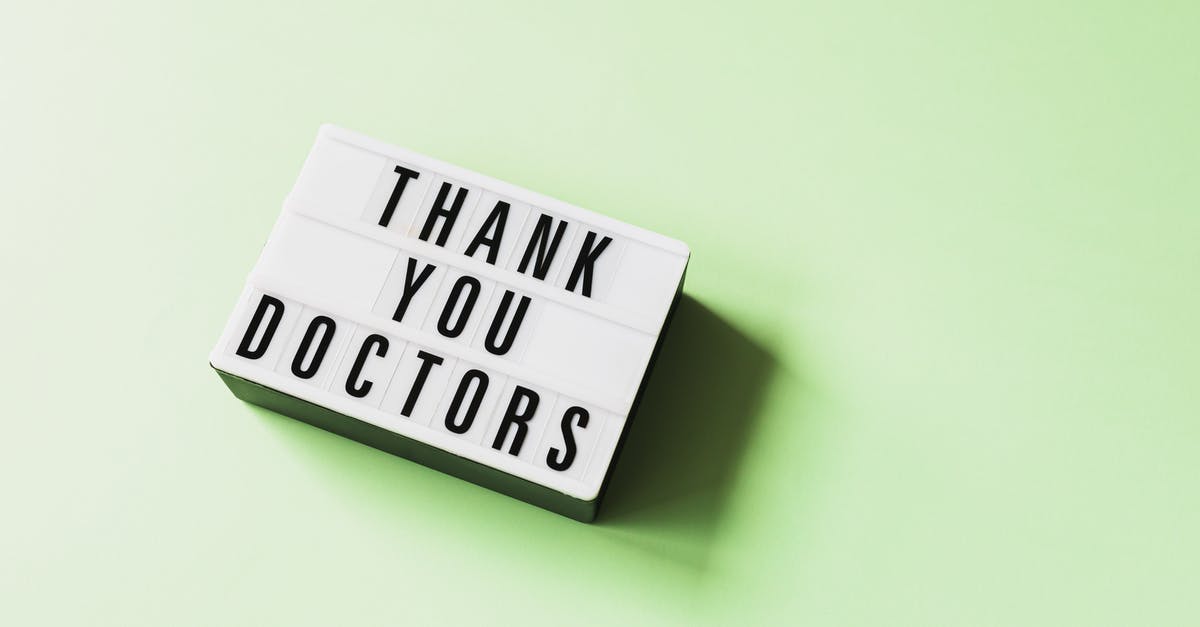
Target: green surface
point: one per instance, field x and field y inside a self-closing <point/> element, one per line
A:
<point x="938" y="366"/>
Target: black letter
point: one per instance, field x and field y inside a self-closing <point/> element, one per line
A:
<point x="504" y="346"/>
<point x="380" y="344"/>
<point x="320" y="322"/>
<point x="463" y="281"/>
<point x="276" y="306"/>
<point x="481" y="386"/>
<point x="584" y="262"/>
<point x="514" y="417"/>
<point x="394" y="199"/>
<point x="495" y="224"/>
<point x="428" y="361"/>
<point x="439" y="210"/>
<point x="411" y="285"/>
<point x="545" y="246"/>
<point x="568" y="455"/>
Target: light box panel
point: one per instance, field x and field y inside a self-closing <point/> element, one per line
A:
<point x="455" y="319"/>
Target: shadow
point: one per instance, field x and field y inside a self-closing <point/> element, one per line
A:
<point x="685" y="444"/>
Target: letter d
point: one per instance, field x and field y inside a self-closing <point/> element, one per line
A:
<point x="276" y="307"/>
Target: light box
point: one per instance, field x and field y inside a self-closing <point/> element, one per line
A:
<point x="465" y="323"/>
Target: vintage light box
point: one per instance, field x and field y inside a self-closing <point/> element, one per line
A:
<point x="462" y="322"/>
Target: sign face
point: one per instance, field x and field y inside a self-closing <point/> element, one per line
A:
<point x="465" y="313"/>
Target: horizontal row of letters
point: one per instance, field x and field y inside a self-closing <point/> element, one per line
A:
<point x="412" y="383"/>
<point x="500" y="231"/>
<point x="481" y="313"/>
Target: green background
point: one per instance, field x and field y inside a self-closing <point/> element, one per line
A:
<point x="938" y="363"/>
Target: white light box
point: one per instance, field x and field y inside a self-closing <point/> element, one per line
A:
<point x="453" y="319"/>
